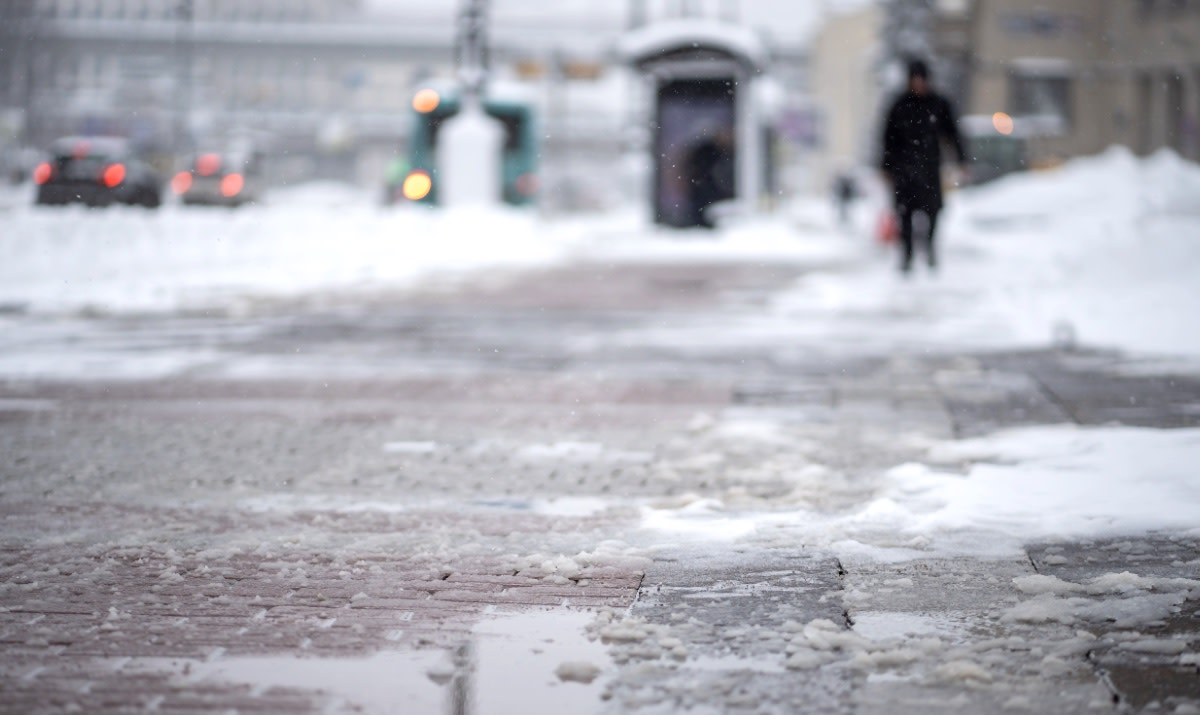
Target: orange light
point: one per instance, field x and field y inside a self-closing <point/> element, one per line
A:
<point x="42" y="173"/>
<point x="232" y="185"/>
<point x="208" y="164"/>
<point x="182" y="183"/>
<point x="426" y="100"/>
<point x="417" y="185"/>
<point x="1003" y="123"/>
<point x="113" y="175"/>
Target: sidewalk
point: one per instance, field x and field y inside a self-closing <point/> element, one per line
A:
<point x="208" y="546"/>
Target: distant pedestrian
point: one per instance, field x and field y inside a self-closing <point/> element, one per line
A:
<point x="845" y="191"/>
<point x="912" y="157"/>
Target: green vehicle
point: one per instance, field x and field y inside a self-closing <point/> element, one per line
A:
<point x="432" y="106"/>
<point x="996" y="146"/>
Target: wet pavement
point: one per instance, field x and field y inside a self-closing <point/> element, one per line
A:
<point x="434" y="502"/>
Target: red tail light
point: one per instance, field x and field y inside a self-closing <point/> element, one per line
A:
<point x="208" y="164"/>
<point x="43" y="173"/>
<point x="182" y="182"/>
<point x="113" y="175"/>
<point x="232" y="185"/>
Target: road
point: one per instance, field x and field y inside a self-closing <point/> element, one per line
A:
<point x="254" y="510"/>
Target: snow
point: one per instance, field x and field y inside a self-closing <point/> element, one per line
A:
<point x="1100" y="250"/>
<point x="1039" y="483"/>
<point x="1058" y="482"/>
<point x="648" y="42"/>
<point x="1105" y="246"/>
<point x="302" y="241"/>
<point x="1101" y="253"/>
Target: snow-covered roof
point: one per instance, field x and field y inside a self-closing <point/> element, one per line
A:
<point x="646" y="43"/>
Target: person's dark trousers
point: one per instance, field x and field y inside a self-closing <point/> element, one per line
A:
<point x="905" y="216"/>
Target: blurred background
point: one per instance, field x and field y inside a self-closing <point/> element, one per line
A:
<point x="323" y="89"/>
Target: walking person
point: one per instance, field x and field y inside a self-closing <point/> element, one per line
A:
<point x="912" y="157"/>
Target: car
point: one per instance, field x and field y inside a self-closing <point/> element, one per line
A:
<point x="220" y="179"/>
<point x="96" y="171"/>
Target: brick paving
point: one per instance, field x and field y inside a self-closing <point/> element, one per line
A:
<point x="77" y="612"/>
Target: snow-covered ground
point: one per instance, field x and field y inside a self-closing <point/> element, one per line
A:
<point x="983" y="497"/>
<point x="1101" y="253"/>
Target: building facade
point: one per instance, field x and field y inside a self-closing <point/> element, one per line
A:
<point x="1087" y="74"/>
<point x="328" y="83"/>
<point x="313" y="78"/>
<point x="845" y="88"/>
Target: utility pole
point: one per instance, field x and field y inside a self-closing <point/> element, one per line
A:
<point x="470" y="143"/>
<point x="184" y="50"/>
<point x="18" y="48"/>
<point x="472" y="49"/>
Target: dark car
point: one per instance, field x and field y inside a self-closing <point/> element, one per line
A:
<point x="229" y="178"/>
<point x="96" y="171"/>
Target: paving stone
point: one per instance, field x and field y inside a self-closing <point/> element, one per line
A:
<point x="1139" y="678"/>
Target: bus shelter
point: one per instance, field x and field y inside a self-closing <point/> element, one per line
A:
<point x="706" y="130"/>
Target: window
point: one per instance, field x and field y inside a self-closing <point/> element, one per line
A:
<point x="1046" y="96"/>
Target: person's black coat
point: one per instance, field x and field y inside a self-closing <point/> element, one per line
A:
<point x="912" y="154"/>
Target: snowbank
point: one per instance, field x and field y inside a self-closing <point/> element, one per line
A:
<point x="984" y="497"/>
<point x="1101" y="252"/>
<point x="306" y="240"/>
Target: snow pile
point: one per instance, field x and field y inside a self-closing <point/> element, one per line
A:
<point x="1125" y="600"/>
<point x="1101" y="252"/>
<point x="633" y="639"/>
<point x="983" y="497"/>
<point x="562" y="570"/>
<point x="310" y="239"/>
<point x="1047" y="482"/>
<point x="1098" y="253"/>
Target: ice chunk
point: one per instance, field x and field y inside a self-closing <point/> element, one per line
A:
<point x="962" y="671"/>
<point x="1158" y="646"/>
<point x="805" y="660"/>
<point x="410" y="447"/>
<point x="1045" y="608"/>
<point x="1038" y="584"/>
<point x="577" y="672"/>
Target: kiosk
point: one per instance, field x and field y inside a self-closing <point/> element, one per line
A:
<point x="707" y="141"/>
